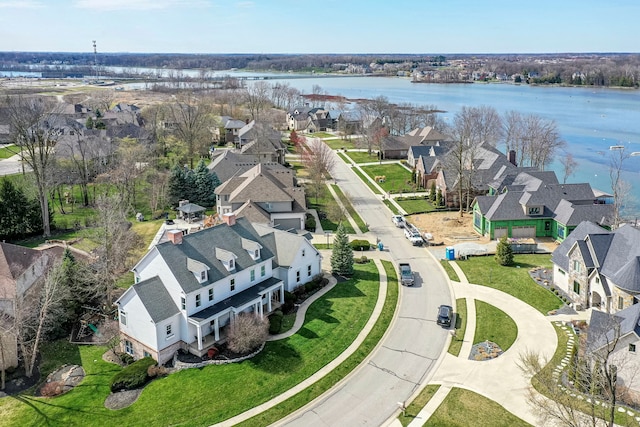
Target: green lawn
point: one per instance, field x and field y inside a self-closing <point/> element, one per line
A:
<point x="514" y="280"/>
<point x="391" y="206"/>
<point x="320" y="135"/>
<point x="326" y="203"/>
<point x="460" y="326"/>
<point x="337" y="144"/>
<point x="414" y="206"/>
<point x="366" y="181"/>
<point x="362" y="156"/>
<point x="493" y="324"/>
<point x="347" y="203"/>
<point x="330" y="326"/>
<point x="450" y="271"/>
<point x="463" y="408"/>
<point x="315" y="390"/>
<point x="414" y="408"/>
<point x="398" y="179"/>
<point x="343" y="157"/>
<point x="6" y="152"/>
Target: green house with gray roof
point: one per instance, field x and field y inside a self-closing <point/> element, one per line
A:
<point x="529" y="204"/>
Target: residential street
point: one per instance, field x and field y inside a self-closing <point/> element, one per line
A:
<point x="408" y="354"/>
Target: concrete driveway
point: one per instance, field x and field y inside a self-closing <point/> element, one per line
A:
<point x="12" y="165"/>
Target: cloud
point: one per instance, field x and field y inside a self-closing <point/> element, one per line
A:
<point x="109" y="5"/>
<point x="245" y="4"/>
<point x="21" y="4"/>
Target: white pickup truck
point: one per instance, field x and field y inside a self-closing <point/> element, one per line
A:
<point x="413" y="234"/>
<point x="398" y="221"/>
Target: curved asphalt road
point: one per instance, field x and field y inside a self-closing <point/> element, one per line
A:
<point x="408" y="353"/>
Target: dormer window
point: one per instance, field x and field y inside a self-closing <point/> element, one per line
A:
<point x="231" y="265"/>
<point x="227" y="258"/>
<point x="203" y="275"/>
<point x="198" y="269"/>
<point x="252" y="248"/>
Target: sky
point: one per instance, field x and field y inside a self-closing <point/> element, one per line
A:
<point x="327" y="26"/>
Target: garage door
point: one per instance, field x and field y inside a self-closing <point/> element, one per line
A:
<point x="523" y="232"/>
<point x="287" y="223"/>
<point x="500" y="232"/>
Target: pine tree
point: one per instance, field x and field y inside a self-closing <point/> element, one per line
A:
<point x="19" y="215"/>
<point x="205" y="183"/>
<point x="439" y="198"/>
<point x="504" y="253"/>
<point x="432" y="192"/>
<point x="342" y="254"/>
<point x="178" y="185"/>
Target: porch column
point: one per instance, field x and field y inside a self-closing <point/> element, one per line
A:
<point x="216" y="329"/>
<point x="258" y="309"/>
<point x="199" y="330"/>
<point x="282" y="294"/>
<point x="269" y="301"/>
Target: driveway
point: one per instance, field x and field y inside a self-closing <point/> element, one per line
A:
<point x="11" y="166"/>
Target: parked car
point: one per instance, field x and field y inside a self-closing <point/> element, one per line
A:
<point x="445" y="314"/>
<point x="398" y="220"/>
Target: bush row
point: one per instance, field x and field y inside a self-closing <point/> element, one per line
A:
<point x="133" y="376"/>
<point x="360" y="245"/>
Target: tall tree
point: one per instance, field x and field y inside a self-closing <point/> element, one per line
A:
<point x="256" y="98"/>
<point x="342" y="254"/>
<point x="19" y="214"/>
<point x="35" y="128"/>
<point x="190" y="124"/>
<point x="205" y="183"/>
<point x="619" y="186"/>
<point x="569" y="166"/>
<point x="318" y="160"/>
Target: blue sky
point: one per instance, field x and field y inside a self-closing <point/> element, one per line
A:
<point x="328" y="26"/>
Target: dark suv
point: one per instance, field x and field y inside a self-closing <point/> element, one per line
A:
<point x="445" y="313"/>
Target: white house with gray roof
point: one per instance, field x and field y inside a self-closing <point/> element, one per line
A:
<point x="599" y="268"/>
<point x="188" y="289"/>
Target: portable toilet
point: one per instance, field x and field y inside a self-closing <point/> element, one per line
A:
<point x="451" y="253"/>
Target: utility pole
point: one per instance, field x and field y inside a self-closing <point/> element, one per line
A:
<point x="95" y="60"/>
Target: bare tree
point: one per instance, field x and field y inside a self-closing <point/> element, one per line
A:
<point x="319" y="161"/>
<point x="569" y="165"/>
<point x="534" y="139"/>
<point x="190" y="124"/>
<point x="621" y="189"/>
<point x="7" y="343"/>
<point x="256" y="98"/>
<point x="248" y="332"/>
<point x="35" y="129"/>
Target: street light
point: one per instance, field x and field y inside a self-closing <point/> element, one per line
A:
<point x="328" y="234"/>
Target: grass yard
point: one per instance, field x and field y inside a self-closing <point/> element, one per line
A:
<point x="391" y="206"/>
<point x="8" y="151"/>
<point x="320" y="135"/>
<point x="415" y="206"/>
<point x="414" y="408"/>
<point x="398" y="179"/>
<point x="299" y="169"/>
<point x="347" y="203"/>
<point x="315" y="390"/>
<point x="326" y="204"/>
<point x="493" y="324"/>
<point x="463" y="408"/>
<point x="514" y="280"/>
<point x="450" y="271"/>
<point x="330" y="327"/>
<point x="339" y="143"/>
<point x="366" y="181"/>
<point x="460" y="326"/>
<point x="362" y="156"/>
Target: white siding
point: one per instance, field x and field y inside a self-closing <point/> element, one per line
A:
<point x="161" y="332"/>
<point x="139" y="323"/>
<point x="560" y="280"/>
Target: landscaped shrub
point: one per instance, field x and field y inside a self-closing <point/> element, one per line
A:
<point x="247" y="333"/>
<point x="133" y="376"/>
<point x="362" y="260"/>
<point x="310" y="223"/>
<point x="54" y="388"/>
<point x="275" y="322"/>
<point x="126" y="358"/>
<point x="504" y="253"/>
<point x="156" y="371"/>
<point x="360" y="245"/>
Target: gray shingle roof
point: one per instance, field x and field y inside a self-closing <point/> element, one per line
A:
<point x="201" y="246"/>
<point x="603" y="327"/>
<point x="559" y="256"/>
<point x="156" y="299"/>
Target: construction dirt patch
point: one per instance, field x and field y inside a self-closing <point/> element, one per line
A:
<point x="448" y="227"/>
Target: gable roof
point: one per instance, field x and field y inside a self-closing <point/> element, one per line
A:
<point x="156" y="299"/>
<point x="585" y="228"/>
<point x="284" y="244"/>
<point x="603" y="327"/>
<point x="204" y="246"/>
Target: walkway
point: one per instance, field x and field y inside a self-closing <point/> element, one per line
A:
<point x="377" y="310"/>
<point x="488" y="378"/>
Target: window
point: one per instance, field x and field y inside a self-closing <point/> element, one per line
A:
<point x="137" y="279"/>
<point x="620" y="303"/>
<point x="263" y="270"/>
<point x="576" y="287"/>
<point x="597" y="280"/>
<point x="233" y="285"/>
<point x="198" y="302"/>
<point x="303" y="252"/>
<point x="256" y="254"/>
<point x="298" y="276"/>
<point x="632" y="348"/>
<point x="183" y="303"/>
<point x="128" y="347"/>
<point x="309" y="270"/>
<point x="203" y="275"/>
<point x="123" y="317"/>
<point x="146" y="354"/>
<point x="561" y="271"/>
<point x="211" y="294"/>
<point x="576" y="266"/>
<point x="169" y="333"/>
<point x="253" y="275"/>
<point x="231" y="264"/>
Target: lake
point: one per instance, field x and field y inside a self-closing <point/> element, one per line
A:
<point x="590" y="120"/>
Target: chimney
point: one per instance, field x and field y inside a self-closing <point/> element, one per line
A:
<point x="511" y="157"/>
<point x="229" y="219"/>
<point x="175" y="236"/>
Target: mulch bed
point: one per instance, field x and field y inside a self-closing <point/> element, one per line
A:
<point x="485" y="350"/>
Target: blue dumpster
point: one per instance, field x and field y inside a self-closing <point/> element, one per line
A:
<point x="451" y="253"/>
<point x="380" y="246"/>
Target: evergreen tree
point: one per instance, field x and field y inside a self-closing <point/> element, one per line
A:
<point x="504" y="253"/>
<point x="178" y="185"/>
<point x="432" y="191"/>
<point x="89" y="123"/>
<point x="439" y="198"/>
<point x="19" y="215"/>
<point x="204" y="184"/>
<point x="342" y="254"/>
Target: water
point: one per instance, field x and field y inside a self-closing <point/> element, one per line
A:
<point x="590" y="120"/>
